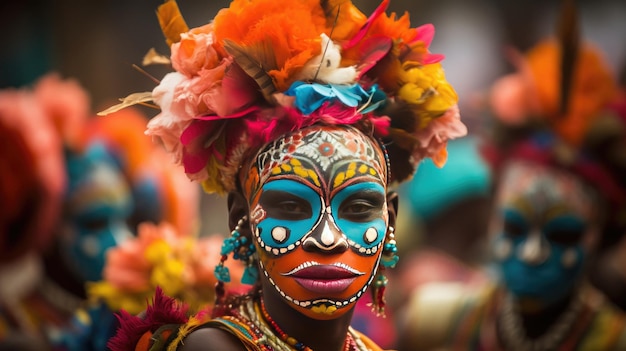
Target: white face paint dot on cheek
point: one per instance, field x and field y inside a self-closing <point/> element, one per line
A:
<point x="370" y="235"/>
<point x="279" y="234"/>
<point x="502" y="249"/>
<point x="90" y="246"/>
<point x="569" y="258"/>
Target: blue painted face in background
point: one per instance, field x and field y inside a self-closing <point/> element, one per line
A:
<point x="545" y="222"/>
<point x="98" y="204"/>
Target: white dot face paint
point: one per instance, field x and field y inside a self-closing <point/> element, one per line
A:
<point x="371" y="235"/>
<point x="279" y="234"/>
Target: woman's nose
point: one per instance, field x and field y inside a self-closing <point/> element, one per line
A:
<point x="535" y="249"/>
<point x="326" y="237"/>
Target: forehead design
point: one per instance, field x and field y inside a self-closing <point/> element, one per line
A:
<point x="540" y="191"/>
<point x="325" y="148"/>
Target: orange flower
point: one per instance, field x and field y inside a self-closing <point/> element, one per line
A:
<point x="260" y="26"/>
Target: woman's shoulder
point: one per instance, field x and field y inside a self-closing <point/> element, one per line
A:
<point x="166" y="325"/>
<point x="209" y="339"/>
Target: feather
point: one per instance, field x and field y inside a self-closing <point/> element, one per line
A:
<point x="569" y="38"/>
<point x="132" y="99"/>
<point x="171" y="21"/>
<point x="163" y="310"/>
<point x="343" y="17"/>
<point x="330" y="8"/>
<point x="152" y="57"/>
<point x="365" y="28"/>
<point x="325" y="68"/>
<point x="373" y="50"/>
<point x="256" y="61"/>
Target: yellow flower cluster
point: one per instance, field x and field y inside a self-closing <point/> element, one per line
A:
<point x="182" y="266"/>
<point x="426" y="90"/>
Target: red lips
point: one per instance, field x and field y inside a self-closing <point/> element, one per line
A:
<point x="324" y="279"/>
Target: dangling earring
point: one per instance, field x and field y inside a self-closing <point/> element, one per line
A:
<point x="389" y="259"/>
<point x="242" y="250"/>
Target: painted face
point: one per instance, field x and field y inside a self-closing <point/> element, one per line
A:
<point x="97" y="207"/>
<point x="545" y="217"/>
<point x="319" y="217"/>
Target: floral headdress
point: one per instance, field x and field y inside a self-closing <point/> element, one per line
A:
<point x="263" y="68"/>
<point x="562" y="109"/>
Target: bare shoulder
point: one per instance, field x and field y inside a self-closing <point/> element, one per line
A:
<point x="211" y="339"/>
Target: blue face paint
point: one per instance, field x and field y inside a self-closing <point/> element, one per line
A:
<point x="292" y="210"/>
<point x="550" y="279"/>
<point x="97" y="230"/>
<point x="98" y="204"/>
<point x="358" y="211"/>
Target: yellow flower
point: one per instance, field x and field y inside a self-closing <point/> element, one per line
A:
<point x="169" y="276"/>
<point x="158" y="251"/>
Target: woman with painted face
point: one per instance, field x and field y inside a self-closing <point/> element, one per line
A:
<point x="559" y="200"/>
<point x="304" y="113"/>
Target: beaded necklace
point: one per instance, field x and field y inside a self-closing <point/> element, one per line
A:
<point x="260" y="323"/>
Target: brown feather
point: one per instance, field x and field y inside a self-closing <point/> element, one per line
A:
<point x="330" y="8"/>
<point x="256" y="61"/>
<point x="569" y="40"/>
<point x="171" y="21"/>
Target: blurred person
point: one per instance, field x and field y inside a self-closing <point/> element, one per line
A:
<point x="557" y="150"/>
<point x="31" y="189"/>
<point x="609" y="269"/>
<point x="448" y="210"/>
<point x="87" y="188"/>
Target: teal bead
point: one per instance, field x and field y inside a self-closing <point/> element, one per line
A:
<point x="250" y="275"/>
<point x="222" y="274"/>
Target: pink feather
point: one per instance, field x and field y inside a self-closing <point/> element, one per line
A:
<point x="372" y="51"/>
<point x="379" y="11"/>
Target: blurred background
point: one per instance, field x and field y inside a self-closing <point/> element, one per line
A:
<point x="97" y="42"/>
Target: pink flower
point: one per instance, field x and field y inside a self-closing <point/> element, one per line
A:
<point x="66" y="104"/>
<point x="170" y="123"/>
<point x="127" y="266"/>
<point x="195" y="52"/>
<point x="434" y="138"/>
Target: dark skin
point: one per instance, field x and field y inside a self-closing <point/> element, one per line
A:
<point x="326" y="335"/>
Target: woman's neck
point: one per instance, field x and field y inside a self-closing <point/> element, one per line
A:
<point x="316" y="334"/>
<point x="537" y="327"/>
<point x="537" y="320"/>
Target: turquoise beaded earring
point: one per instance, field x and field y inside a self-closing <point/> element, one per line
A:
<point x="243" y="250"/>
<point x="389" y="259"/>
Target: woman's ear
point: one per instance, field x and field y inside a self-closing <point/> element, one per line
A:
<point x="392" y="207"/>
<point x="237" y="209"/>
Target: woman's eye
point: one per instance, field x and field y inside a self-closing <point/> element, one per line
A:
<point x="94" y="224"/>
<point x="358" y="208"/>
<point x="285" y="206"/>
<point x="567" y="237"/>
<point x="361" y="210"/>
<point x="565" y="230"/>
<point x="290" y="206"/>
<point x="513" y="229"/>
